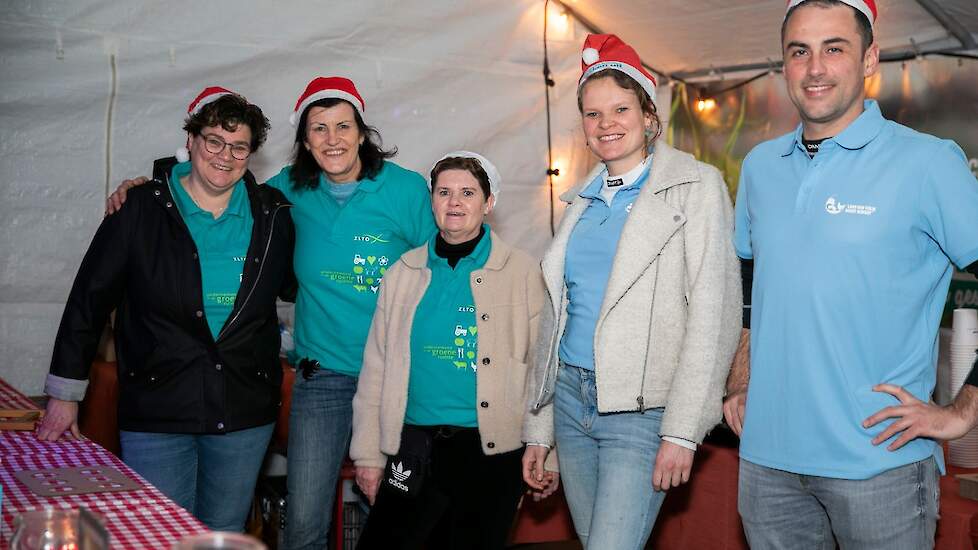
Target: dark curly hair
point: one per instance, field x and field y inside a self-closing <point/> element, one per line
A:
<point x="470" y="165"/>
<point x="628" y="83"/>
<point x="305" y="170"/>
<point x="228" y="111"/>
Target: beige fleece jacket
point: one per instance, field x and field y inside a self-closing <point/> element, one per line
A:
<point x="508" y="293"/>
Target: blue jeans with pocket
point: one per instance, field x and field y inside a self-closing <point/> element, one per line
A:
<point x="212" y="476"/>
<point x="606" y="463"/>
<point x="320" y="423"/>
<point x="895" y="510"/>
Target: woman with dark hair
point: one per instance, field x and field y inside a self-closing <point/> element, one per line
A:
<point x="192" y="264"/>
<point x="440" y="402"/>
<point x="642" y="317"/>
<point x="355" y="214"/>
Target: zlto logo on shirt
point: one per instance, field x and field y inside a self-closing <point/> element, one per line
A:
<point x="834" y="206"/>
<point x="370" y="239"/>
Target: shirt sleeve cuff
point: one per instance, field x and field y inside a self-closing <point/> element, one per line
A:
<point x="65" y="389"/>
<point x="680" y="441"/>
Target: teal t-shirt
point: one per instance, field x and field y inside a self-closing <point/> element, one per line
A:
<point x="444" y="344"/>
<point x="342" y="253"/>
<point x="222" y="245"/>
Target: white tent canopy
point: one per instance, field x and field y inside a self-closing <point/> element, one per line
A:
<point x="94" y="90"/>
<point x="713" y="39"/>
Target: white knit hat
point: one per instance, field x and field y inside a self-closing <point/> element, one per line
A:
<point x="490" y="169"/>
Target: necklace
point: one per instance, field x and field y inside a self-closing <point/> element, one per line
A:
<point x="190" y="191"/>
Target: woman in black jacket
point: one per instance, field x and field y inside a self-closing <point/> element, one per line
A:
<point x="193" y="264"/>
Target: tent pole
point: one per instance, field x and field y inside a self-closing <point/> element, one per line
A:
<point x="953" y="27"/>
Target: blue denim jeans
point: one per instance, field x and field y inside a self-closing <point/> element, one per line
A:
<point x="212" y="476"/>
<point x="606" y="463"/>
<point x="895" y="510"/>
<point x="319" y="440"/>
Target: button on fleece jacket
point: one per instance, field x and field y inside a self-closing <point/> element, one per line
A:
<point x="670" y="319"/>
<point x="508" y="294"/>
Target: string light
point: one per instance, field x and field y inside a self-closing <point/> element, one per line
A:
<point x="558" y="21"/>
<point x="706" y="104"/>
<point x="554" y="169"/>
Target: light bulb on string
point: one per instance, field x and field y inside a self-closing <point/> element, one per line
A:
<point x="706" y="104"/>
<point x="555" y="167"/>
<point x="558" y="22"/>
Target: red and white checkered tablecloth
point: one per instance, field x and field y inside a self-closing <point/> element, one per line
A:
<point x="10" y="398"/>
<point x="13" y="443"/>
<point x="141" y="519"/>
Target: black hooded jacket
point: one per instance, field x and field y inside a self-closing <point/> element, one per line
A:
<point x="173" y="376"/>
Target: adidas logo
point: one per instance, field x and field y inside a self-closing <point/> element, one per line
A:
<point x="399" y="473"/>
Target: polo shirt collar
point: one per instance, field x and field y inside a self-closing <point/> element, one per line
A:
<point x="479" y="254"/>
<point x="593" y="189"/>
<point x="369" y="185"/>
<point x="499" y="252"/>
<point x="237" y="205"/>
<point x="856" y="136"/>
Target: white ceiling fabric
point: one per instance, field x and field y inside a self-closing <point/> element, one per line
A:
<point x="94" y="90"/>
<point x="681" y="36"/>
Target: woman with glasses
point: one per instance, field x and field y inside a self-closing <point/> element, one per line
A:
<point x="193" y="264"/>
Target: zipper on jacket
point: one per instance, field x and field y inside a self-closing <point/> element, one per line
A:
<point x="261" y="267"/>
<point x="640" y="400"/>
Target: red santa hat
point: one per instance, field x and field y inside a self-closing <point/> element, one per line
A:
<point x="324" y="87"/>
<point x="607" y="51"/>
<point x="865" y="7"/>
<point x="209" y="95"/>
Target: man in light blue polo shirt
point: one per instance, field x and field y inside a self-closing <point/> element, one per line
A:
<point x="852" y="223"/>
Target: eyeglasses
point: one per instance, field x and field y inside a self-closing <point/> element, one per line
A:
<point x="216" y="145"/>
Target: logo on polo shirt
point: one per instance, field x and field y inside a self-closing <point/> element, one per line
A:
<point x="834" y="206"/>
<point x="370" y="239"/>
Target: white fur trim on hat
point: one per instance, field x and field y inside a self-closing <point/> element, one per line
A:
<point x="636" y="75"/>
<point x="326" y="94"/>
<point x="590" y="55"/>
<point x="858" y="5"/>
<point x="183" y="155"/>
<point x="490" y="169"/>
